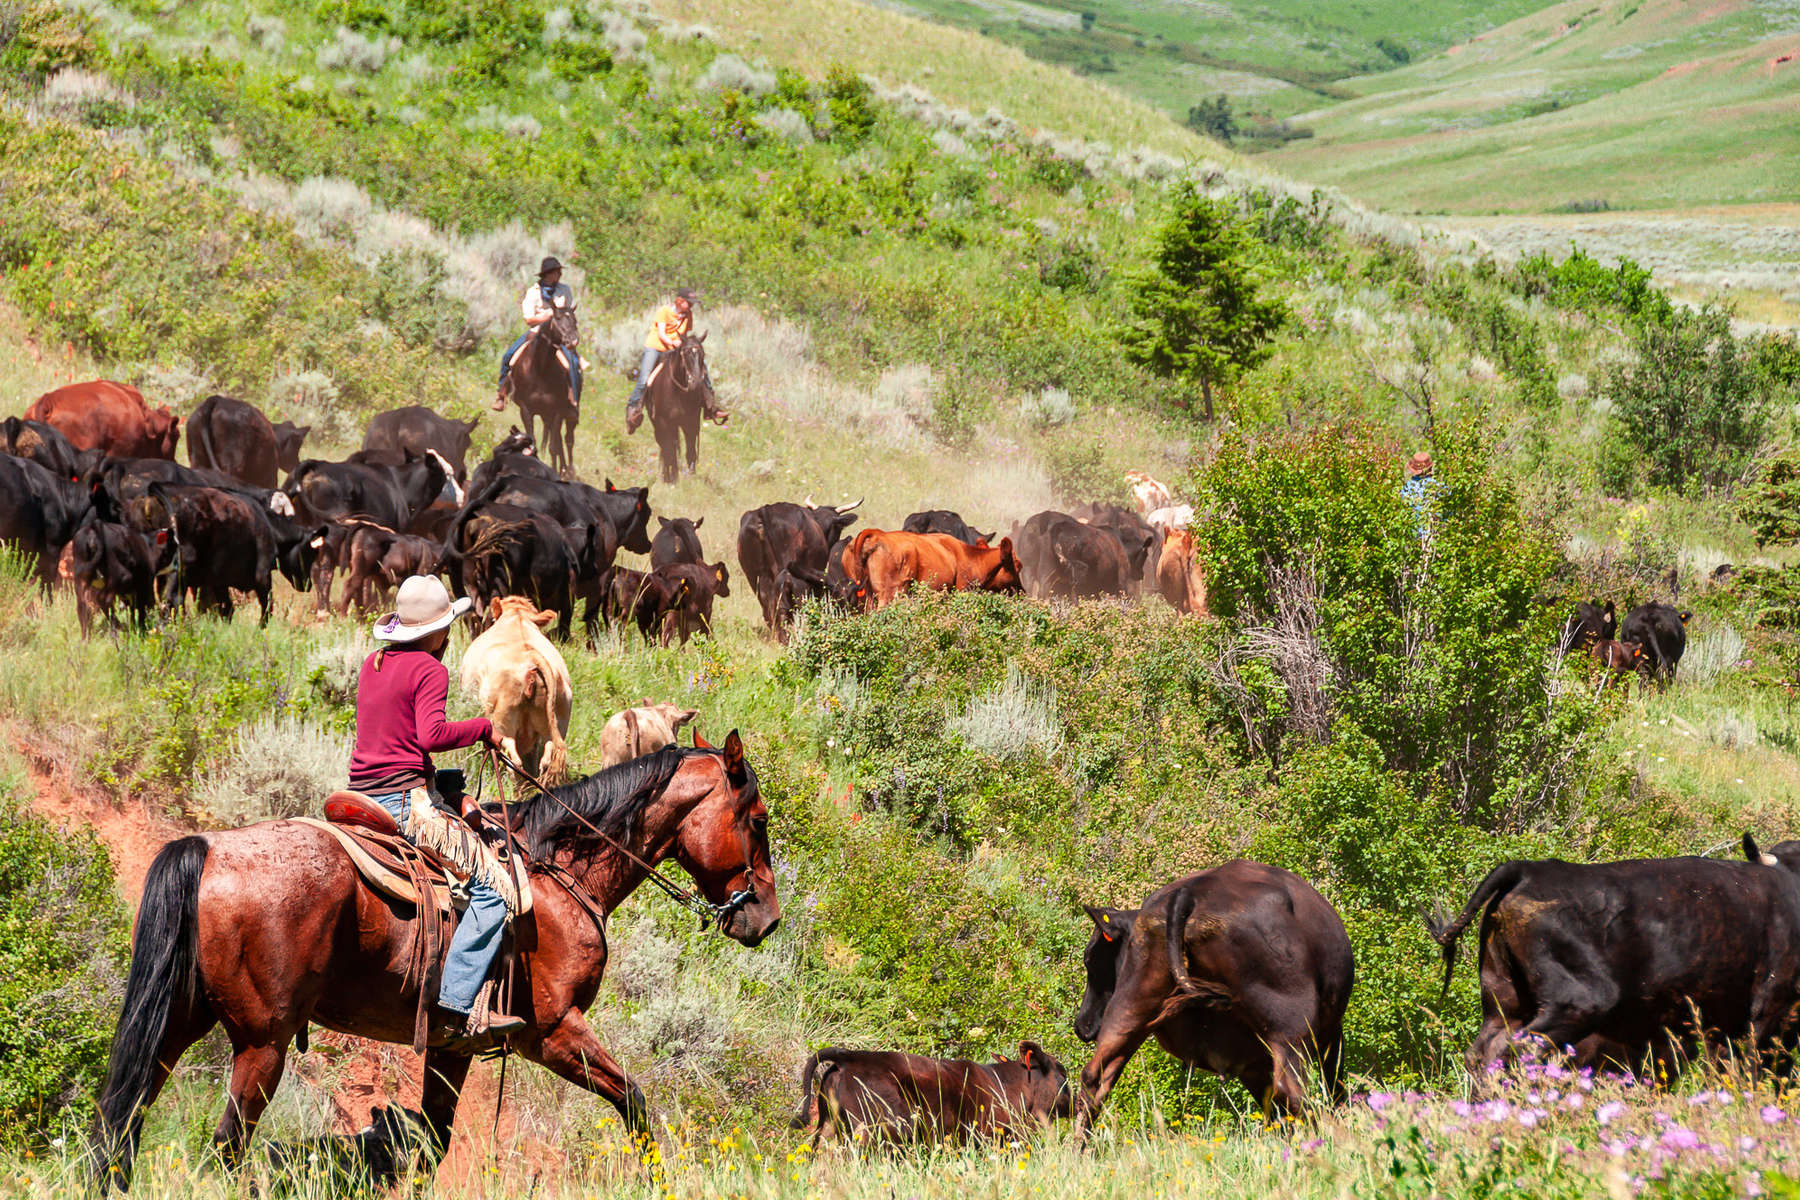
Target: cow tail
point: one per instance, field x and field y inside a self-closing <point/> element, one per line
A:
<point x="811" y="1113"/>
<point x="205" y="439"/>
<point x="1181" y="907"/>
<point x="556" y="759"/>
<point x="807" y="1115"/>
<point x="162" y="987"/>
<point x="1501" y="880"/>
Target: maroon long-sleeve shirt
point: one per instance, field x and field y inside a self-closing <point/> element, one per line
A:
<point x="400" y="721"/>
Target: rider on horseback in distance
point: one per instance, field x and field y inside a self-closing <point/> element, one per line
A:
<point x="399" y="724"/>
<point x="538" y="305"/>
<point x="672" y="322"/>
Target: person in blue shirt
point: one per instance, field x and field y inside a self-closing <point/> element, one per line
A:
<point x="1419" y="485"/>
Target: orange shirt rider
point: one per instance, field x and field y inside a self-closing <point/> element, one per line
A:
<point x="671" y="324"/>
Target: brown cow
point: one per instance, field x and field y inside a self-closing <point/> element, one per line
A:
<point x="109" y="416"/>
<point x="890" y="1096"/>
<point x="1179" y="575"/>
<point x="884" y="562"/>
<point x="1618" y="659"/>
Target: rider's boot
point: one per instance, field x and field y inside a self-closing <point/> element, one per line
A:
<point x="634" y="415"/>
<point x="501" y="396"/>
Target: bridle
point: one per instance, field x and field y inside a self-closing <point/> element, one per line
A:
<point x="706" y="910"/>
<point x="685" y="371"/>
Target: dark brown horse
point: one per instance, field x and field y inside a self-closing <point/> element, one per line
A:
<point x="268" y="928"/>
<point x="540" y="387"/>
<point x="676" y="399"/>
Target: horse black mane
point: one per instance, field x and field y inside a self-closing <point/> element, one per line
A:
<point x="612" y="800"/>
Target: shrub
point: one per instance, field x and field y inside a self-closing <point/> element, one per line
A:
<point x="1771" y="505"/>
<point x="1078" y="470"/>
<point x="62" y="949"/>
<point x="729" y="73"/>
<point x="1011" y="719"/>
<point x="1581" y="282"/>
<point x="850" y="103"/>
<point x="1433" y="635"/>
<point x="1047" y="408"/>
<point x="786" y="124"/>
<point x="1711" y="654"/>
<point x="1690" y="400"/>
<point x="349" y="50"/>
<point x="275" y="767"/>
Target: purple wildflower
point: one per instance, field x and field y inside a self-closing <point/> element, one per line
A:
<point x="1609" y="1111"/>
<point x="1772" y="1115"/>
<point x="1680" y="1139"/>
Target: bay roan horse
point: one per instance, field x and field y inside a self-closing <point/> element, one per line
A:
<point x="267" y="928"/>
<point x="540" y="386"/>
<point x="675" y="400"/>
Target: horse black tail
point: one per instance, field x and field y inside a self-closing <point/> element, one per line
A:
<point x="1501" y="880"/>
<point x="164" y="981"/>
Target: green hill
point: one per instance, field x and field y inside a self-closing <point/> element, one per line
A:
<point x="1656" y="104"/>
<point x="329" y="206"/>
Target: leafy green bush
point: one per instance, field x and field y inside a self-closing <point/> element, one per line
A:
<point x="1581" y="282"/>
<point x="1691" y="400"/>
<point x="1771" y="506"/>
<point x="62" y="948"/>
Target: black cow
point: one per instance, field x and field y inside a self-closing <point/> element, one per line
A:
<point x="704" y="583"/>
<point x="392" y="496"/>
<point x="514" y="454"/>
<point x="884" y="1095"/>
<point x="779" y="536"/>
<point x="512" y="551"/>
<point x="39" y="512"/>
<point x="645" y="598"/>
<point x="793" y="588"/>
<point x="843" y="589"/>
<point x="46" y="446"/>
<point x="1243" y="970"/>
<point x="208" y="541"/>
<point x="1587" y="624"/>
<point x="676" y="541"/>
<point x="116" y="482"/>
<point x="577" y="504"/>
<point x="1061" y="557"/>
<point x="1660" y="632"/>
<point x="377" y="559"/>
<point x="942" y="520"/>
<point x="1616" y="960"/>
<point x="415" y="429"/>
<point x="1137" y="537"/>
<point x="236" y="439"/>
<point x="112" y="563"/>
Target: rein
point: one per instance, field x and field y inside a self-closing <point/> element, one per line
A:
<point x="706" y="910"/>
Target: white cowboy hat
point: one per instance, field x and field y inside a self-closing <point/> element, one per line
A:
<point x="423" y="606"/>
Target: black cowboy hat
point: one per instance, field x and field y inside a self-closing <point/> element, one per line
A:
<point x="688" y="294"/>
<point x="548" y="265"/>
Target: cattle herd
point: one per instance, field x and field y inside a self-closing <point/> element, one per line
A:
<point x="90" y="489"/>
<point x="1244" y="969"/>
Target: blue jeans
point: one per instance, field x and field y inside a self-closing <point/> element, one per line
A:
<point x="477" y="937"/>
<point x="646" y="366"/>
<point x="571" y="363"/>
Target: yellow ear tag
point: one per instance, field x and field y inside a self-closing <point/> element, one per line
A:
<point x="1106" y="917"/>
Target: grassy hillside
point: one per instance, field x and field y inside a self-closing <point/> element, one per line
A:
<point x="329" y="208"/>
<point x="1659" y="104"/>
<point x="1276" y="57"/>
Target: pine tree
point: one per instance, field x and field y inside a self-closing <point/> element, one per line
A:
<point x="1199" y="314"/>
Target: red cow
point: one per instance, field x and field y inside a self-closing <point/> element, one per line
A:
<point x="108" y="416"/>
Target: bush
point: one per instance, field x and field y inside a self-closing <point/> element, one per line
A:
<point x="850" y="103"/>
<point x="1690" y="400"/>
<point x="276" y="767"/>
<point x="1012" y="719"/>
<point x="62" y="955"/>
<point x="1428" y="629"/>
<point x="1047" y="409"/>
<point x="1771" y="505"/>
<point x="1583" y="283"/>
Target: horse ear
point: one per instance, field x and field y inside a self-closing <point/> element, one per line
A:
<point x="699" y="521"/>
<point x="701" y="336"/>
<point x="734" y="756"/>
<point x="662" y="522"/>
<point x="701" y="743"/>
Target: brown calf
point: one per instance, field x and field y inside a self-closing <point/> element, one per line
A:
<point x="1179" y="576"/>
<point x="883" y="563"/>
<point x="1619" y="659"/>
<point x="895" y="1097"/>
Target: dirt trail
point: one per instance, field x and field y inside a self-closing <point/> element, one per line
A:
<point x="366" y="1075"/>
